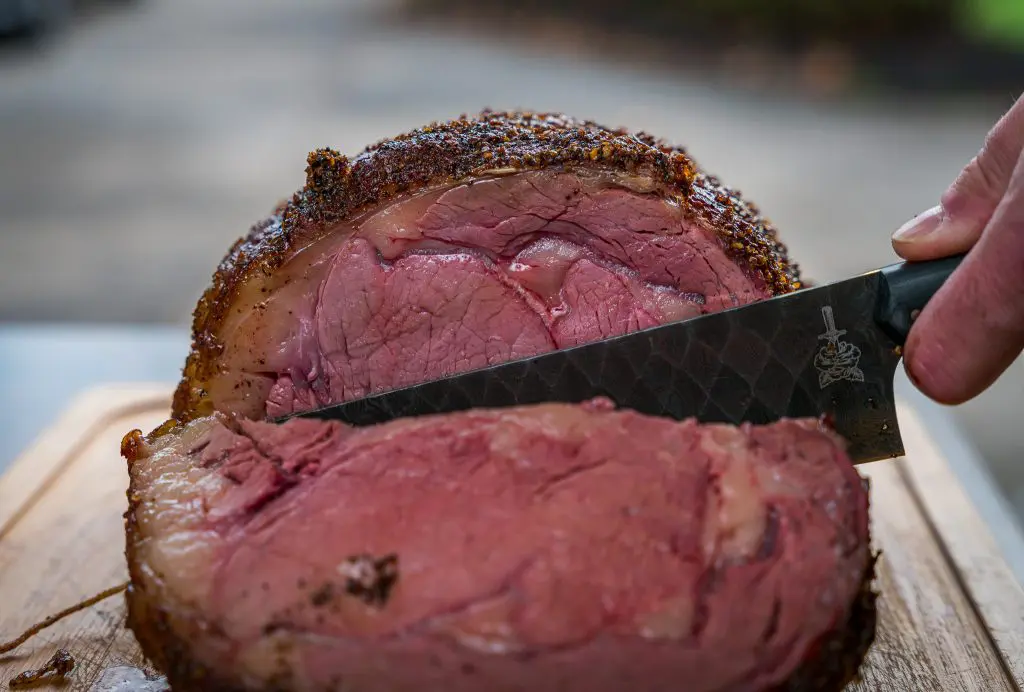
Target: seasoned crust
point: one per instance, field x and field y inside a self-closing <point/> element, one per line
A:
<point x="839" y="656"/>
<point x="337" y="189"/>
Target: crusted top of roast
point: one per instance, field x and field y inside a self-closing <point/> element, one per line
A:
<point x="338" y="188"/>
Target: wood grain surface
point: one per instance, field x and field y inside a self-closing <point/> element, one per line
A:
<point x="951" y="612"/>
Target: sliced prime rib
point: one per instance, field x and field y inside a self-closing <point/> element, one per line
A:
<point x="465" y="244"/>
<point x="553" y="547"/>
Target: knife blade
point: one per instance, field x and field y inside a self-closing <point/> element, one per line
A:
<point x="829" y="350"/>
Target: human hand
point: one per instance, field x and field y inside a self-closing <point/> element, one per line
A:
<point x="973" y="328"/>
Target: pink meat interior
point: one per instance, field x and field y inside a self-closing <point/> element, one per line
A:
<point x="466" y="276"/>
<point x="598" y="547"/>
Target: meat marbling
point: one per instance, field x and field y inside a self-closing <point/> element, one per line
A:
<point x="542" y="548"/>
<point x="466" y="244"/>
<point x="552" y="547"/>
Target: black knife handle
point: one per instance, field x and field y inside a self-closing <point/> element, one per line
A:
<point x="905" y="289"/>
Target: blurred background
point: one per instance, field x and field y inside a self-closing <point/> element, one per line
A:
<point x="140" y="138"/>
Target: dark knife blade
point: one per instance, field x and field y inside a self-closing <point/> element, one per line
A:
<point x="828" y="351"/>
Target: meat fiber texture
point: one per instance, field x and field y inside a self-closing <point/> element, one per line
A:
<point x="552" y="547"/>
<point x="555" y="547"/>
<point x="467" y="244"/>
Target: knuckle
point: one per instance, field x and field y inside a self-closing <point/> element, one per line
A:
<point x="982" y="182"/>
<point x="975" y="192"/>
<point x="998" y="156"/>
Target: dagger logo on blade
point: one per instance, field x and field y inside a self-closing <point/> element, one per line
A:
<point x="836" y="360"/>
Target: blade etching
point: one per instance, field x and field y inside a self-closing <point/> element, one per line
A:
<point x="836" y="360"/>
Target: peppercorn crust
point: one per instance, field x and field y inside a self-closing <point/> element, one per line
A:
<point x="338" y="188"/>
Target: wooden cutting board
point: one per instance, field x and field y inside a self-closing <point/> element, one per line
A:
<point x="951" y="611"/>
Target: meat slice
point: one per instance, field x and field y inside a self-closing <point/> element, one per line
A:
<point x="552" y="547"/>
<point x="465" y="244"/>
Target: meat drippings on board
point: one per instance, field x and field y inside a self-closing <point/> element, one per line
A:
<point x="129" y="679"/>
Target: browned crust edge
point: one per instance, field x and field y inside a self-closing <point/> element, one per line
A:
<point x="841" y="654"/>
<point x="338" y="188"/>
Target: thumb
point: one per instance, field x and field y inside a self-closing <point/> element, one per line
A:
<point x="966" y="207"/>
<point x="973" y="328"/>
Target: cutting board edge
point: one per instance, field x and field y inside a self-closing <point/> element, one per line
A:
<point x="968" y="543"/>
<point x="28" y="476"/>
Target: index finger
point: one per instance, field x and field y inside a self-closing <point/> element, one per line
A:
<point x="968" y="204"/>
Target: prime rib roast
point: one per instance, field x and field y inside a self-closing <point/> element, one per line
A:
<point x="550" y="547"/>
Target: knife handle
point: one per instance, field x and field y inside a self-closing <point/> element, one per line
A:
<point x="904" y="291"/>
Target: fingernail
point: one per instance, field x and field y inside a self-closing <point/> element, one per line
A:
<point x="919" y="227"/>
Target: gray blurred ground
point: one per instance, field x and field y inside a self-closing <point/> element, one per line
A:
<point x="135" y="150"/>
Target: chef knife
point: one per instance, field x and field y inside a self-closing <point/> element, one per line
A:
<point x="828" y="351"/>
